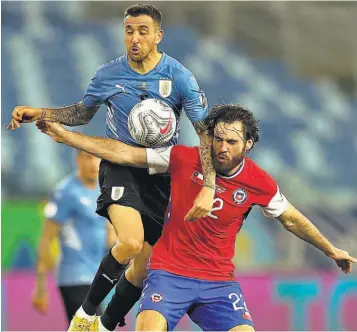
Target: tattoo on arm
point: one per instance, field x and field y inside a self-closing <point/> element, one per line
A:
<point x="73" y="115"/>
<point x="209" y="174"/>
<point x="200" y="127"/>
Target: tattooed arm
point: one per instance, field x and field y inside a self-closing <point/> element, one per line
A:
<point x="73" y="115"/>
<point x="209" y="174"/>
<point x="204" y="201"/>
<point x="296" y="223"/>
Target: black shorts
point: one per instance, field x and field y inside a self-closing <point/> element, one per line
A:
<point x="136" y="188"/>
<point x="73" y="297"/>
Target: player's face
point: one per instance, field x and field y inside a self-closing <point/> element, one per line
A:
<point x="141" y="35"/>
<point x="88" y="166"/>
<point x="229" y="147"/>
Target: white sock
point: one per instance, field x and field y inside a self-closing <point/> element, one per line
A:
<point x="101" y="327"/>
<point x="82" y="314"/>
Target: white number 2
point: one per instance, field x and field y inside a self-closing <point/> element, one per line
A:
<point x="216" y="208"/>
<point x="236" y="302"/>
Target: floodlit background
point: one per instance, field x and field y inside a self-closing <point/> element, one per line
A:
<point x="293" y="64"/>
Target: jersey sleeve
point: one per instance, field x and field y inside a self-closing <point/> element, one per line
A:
<point x="93" y="96"/>
<point x="59" y="207"/>
<point x="194" y="100"/>
<point x="271" y="199"/>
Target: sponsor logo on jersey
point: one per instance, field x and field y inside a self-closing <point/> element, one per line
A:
<point x="117" y="192"/>
<point x="239" y="196"/>
<point x="122" y="87"/>
<point x="156" y="297"/>
<point x="164" y="130"/>
<point x="165" y="88"/>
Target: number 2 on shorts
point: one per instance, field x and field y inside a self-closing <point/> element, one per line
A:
<point x="238" y="298"/>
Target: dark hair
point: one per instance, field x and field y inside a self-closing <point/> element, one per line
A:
<point x="144" y="9"/>
<point x="230" y="113"/>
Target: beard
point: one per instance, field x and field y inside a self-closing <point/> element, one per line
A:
<point x="227" y="166"/>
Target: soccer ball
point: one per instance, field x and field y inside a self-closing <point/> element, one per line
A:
<point x="152" y="123"/>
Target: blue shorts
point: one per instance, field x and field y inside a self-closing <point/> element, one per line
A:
<point x="212" y="305"/>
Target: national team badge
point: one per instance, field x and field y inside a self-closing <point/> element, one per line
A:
<point x="165" y="88"/>
<point x="239" y="196"/>
<point x="156" y="297"/>
<point x="203" y="99"/>
<point x="117" y="192"/>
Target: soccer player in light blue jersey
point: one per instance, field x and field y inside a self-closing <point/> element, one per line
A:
<point x="133" y="201"/>
<point x="70" y="216"/>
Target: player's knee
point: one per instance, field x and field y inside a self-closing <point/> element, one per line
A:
<point x="132" y="245"/>
<point x="150" y="320"/>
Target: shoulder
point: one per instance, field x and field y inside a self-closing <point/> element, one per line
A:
<point x="260" y="179"/>
<point x="178" y="70"/>
<point x="110" y="66"/>
<point x="181" y="154"/>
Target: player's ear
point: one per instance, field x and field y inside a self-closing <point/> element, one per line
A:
<point x="248" y="145"/>
<point x="159" y="36"/>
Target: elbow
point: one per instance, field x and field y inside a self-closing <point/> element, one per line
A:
<point x="289" y="226"/>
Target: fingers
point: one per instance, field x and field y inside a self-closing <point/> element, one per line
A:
<point x="196" y="212"/>
<point x="13" y="125"/>
<point x="352" y="259"/>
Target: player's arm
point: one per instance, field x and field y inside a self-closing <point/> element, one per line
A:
<point x="44" y="265"/>
<point x="73" y="115"/>
<point x="296" y="223"/>
<point x="196" y="108"/>
<point x="104" y="148"/>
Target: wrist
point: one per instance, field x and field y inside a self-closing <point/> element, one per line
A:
<point x="209" y="185"/>
<point x="330" y="252"/>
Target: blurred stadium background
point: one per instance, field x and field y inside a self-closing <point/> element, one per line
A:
<point x="293" y="64"/>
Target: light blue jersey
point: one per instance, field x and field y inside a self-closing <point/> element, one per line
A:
<point x="118" y="86"/>
<point x="83" y="233"/>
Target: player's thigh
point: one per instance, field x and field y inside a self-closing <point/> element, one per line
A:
<point x="137" y="271"/>
<point x="150" y="320"/>
<point x="72" y="298"/>
<point x="221" y="307"/>
<point x="120" y="200"/>
<point x="168" y="294"/>
<point x="155" y="197"/>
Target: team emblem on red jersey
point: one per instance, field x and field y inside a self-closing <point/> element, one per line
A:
<point x="239" y="196"/>
<point x="156" y="297"/>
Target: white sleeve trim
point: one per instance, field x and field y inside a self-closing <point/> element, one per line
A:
<point x="158" y="159"/>
<point x="276" y="206"/>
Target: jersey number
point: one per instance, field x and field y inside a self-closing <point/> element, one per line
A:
<point x="236" y="302"/>
<point x="216" y="208"/>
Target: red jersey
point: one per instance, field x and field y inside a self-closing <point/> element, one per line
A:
<point x="204" y="248"/>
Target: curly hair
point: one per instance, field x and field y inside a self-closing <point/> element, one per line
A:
<point x="230" y="113"/>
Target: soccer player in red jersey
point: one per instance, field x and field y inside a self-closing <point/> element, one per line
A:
<point x="191" y="269"/>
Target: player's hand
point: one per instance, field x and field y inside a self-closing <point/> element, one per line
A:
<point x="40" y="300"/>
<point x="23" y="114"/>
<point x="343" y="260"/>
<point x="52" y="129"/>
<point x="202" y="205"/>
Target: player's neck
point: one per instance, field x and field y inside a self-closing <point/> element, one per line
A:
<point x="150" y="62"/>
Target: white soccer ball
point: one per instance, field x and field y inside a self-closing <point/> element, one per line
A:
<point x="152" y="123"/>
